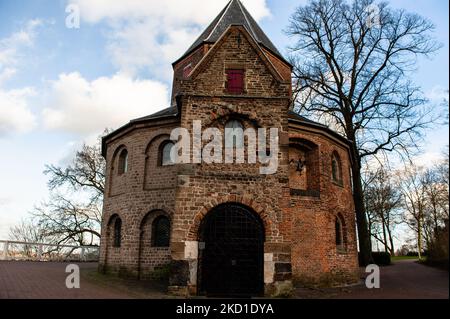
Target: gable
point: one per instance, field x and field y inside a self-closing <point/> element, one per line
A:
<point x="237" y="49"/>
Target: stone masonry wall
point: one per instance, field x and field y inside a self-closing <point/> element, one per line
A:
<point x="298" y="219"/>
<point x="264" y="104"/>
<point x="315" y="257"/>
<point x="138" y="198"/>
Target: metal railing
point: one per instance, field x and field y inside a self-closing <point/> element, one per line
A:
<point x="18" y="250"/>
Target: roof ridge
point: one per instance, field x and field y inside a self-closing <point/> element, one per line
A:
<point x="248" y="22"/>
<point x="218" y="22"/>
<point x="234" y="13"/>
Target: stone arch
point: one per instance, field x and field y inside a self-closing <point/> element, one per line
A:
<point x="151" y="209"/>
<point x="110" y="250"/>
<point x="161" y="161"/>
<point x="340" y="225"/>
<point x="154" y="139"/>
<point x="116" y="179"/>
<point x="123" y="165"/>
<point x="304" y="167"/>
<point x="223" y="114"/>
<point x="115" y="157"/>
<point x="231" y="260"/>
<point x="245" y="201"/>
<point x="156" y="176"/>
<point x="336" y="168"/>
<point x="150" y="258"/>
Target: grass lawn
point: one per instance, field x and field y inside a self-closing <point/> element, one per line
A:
<point x="136" y="289"/>
<point x="395" y="258"/>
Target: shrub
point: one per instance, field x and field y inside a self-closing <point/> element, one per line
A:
<point x="416" y="254"/>
<point x="381" y="258"/>
<point x="161" y="273"/>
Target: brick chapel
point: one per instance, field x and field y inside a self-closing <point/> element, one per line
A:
<point x="225" y="229"/>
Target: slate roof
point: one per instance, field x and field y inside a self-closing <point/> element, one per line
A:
<point x="170" y="111"/>
<point x="295" y="117"/>
<point x="298" y="117"/>
<point x="233" y="14"/>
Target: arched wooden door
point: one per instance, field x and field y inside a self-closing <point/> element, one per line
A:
<point x="231" y="252"/>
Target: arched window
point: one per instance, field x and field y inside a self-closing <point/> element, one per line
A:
<point x="123" y="162"/>
<point x="340" y="233"/>
<point x="234" y="134"/>
<point x="336" y="168"/>
<point x="161" y="232"/>
<point x="338" y="227"/>
<point x="165" y="154"/>
<point x="117" y="232"/>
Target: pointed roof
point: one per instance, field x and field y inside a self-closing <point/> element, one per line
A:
<point x="233" y="14"/>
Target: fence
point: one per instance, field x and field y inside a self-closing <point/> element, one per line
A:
<point x="17" y="250"/>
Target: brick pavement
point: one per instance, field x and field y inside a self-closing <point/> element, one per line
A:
<point x="46" y="280"/>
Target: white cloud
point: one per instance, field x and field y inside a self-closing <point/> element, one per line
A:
<point x="10" y="47"/>
<point x="143" y="45"/>
<point x="4" y="201"/>
<point x="5" y="74"/>
<point x="438" y="94"/>
<point x="88" y="107"/>
<point x="150" y="35"/>
<point x="15" y="113"/>
<point x="173" y="12"/>
<point x="428" y="159"/>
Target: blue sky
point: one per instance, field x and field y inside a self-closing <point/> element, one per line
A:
<point x="60" y="86"/>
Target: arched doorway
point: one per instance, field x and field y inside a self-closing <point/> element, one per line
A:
<point x="231" y="252"/>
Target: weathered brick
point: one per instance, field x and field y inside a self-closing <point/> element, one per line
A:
<point x="298" y="207"/>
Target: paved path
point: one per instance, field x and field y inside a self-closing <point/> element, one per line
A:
<point x="24" y="280"/>
<point x="404" y="279"/>
<point x="46" y="280"/>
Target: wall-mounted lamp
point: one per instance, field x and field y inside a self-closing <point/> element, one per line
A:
<point x="300" y="165"/>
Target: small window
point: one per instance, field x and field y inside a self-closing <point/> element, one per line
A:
<point x="117" y="232"/>
<point x="235" y="81"/>
<point x="338" y="227"/>
<point x="161" y="232"/>
<point x="123" y="162"/>
<point x="234" y="131"/>
<point x="340" y="233"/>
<point x="336" y="170"/>
<point x="166" y="158"/>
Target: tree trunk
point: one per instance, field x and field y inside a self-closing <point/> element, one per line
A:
<point x="391" y="241"/>
<point x="383" y="223"/>
<point x="365" y="245"/>
<point x="419" y="237"/>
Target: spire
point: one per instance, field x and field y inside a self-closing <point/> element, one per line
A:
<point x="233" y="14"/>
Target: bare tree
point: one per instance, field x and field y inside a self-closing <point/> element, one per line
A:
<point x="72" y="214"/>
<point x="66" y="221"/>
<point x="86" y="173"/>
<point x="383" y="200"/>
<point x="437" y="197"/>
<point x="442" y="169"/>
<point x="414" y="201"/>
<point x="352" y="63"/>
<point x="27" y="231"/>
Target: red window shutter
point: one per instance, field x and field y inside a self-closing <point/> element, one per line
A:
<point x="235" y="81"/>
